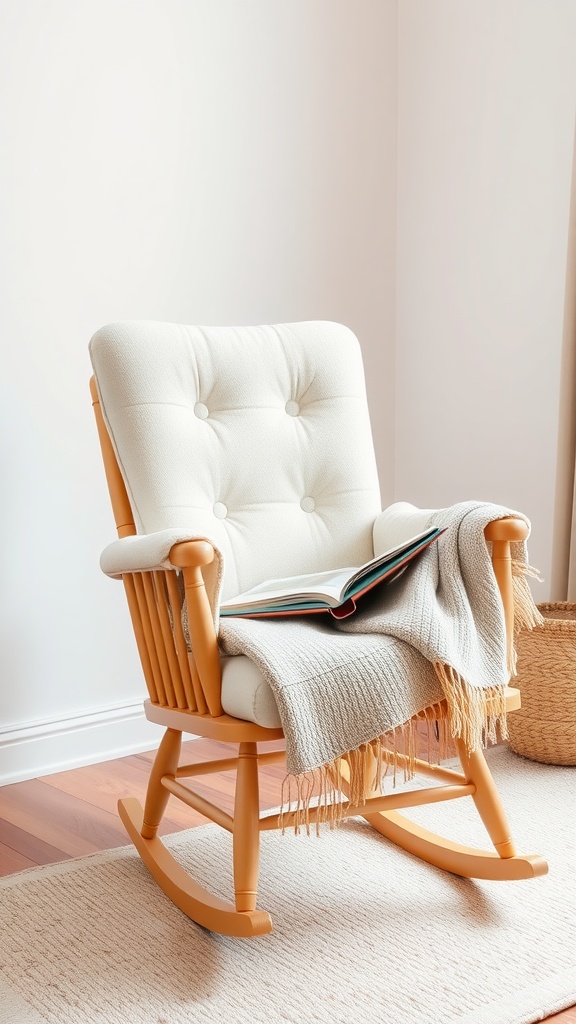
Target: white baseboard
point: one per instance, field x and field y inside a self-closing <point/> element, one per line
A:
<point x="38" y="748"/>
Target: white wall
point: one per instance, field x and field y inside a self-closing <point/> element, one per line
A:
<point x="236" y="161"/>
<point x="198" y="161"/>
<point x="486" y="104"/>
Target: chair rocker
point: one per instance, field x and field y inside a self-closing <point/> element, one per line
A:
<point x="171" y="404"/>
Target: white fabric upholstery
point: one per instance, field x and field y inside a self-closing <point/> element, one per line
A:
<point x="246" y="694"/>
<point x="143" y="553"/>
<point x="397" y="523"/>
<point x="256" y="438"/>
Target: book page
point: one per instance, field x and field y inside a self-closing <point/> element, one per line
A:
<point x="329" y="583"/>
<point x="329" y="587"/>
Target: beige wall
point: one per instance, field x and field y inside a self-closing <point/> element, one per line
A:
<point x="197" y="161"/>
<point x="486" y="103"/>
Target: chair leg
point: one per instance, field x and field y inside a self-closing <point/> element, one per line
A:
<point x="246" y="828"/>
<point x="487" y="799"/>
<point x="165" y="763"/>
<point x="450" y="856"/>
<point x="202" y="906"/>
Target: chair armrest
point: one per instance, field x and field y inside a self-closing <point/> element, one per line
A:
<point x="152" y="551"/>
<point x="507" y="529"/>
<point x="190" y="556"/>
<point x="176" y="549"/>
<point x="501" y="533"/>
<point x="505" y="535"/>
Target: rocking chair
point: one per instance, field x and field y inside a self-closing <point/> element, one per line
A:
<point x="256" y="441"/>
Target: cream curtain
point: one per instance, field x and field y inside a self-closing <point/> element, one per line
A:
<point x="571" y="594"/>
<point x="564" y="548"/>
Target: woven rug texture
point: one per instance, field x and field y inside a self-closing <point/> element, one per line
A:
<point x="363" y="931"/>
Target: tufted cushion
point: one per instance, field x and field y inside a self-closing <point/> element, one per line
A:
<point x="257" y="437"/>
<point x="246" y="694"/>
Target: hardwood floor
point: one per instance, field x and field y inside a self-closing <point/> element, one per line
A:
<point x="73" y="813"/>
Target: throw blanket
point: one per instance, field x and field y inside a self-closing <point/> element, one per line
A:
<point x="435" y="633"/>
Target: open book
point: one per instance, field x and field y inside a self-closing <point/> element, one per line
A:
<point x="335" y="591"/>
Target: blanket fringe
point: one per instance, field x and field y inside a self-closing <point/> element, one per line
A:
<point x="474" y="712"/>
<point x="526" y="614"/>
<point x="360" y="773"/>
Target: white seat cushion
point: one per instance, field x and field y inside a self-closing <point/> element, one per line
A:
<point x="246" y="694"/>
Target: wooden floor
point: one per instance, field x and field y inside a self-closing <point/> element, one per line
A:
<point x="73" y="813"/>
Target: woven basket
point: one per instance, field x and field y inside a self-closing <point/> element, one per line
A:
<point x="544" y="729"/>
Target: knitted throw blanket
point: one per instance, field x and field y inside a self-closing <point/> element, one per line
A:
<point x="435" y="633"/>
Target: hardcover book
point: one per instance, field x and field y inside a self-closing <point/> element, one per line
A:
<point x="335" y="591"/>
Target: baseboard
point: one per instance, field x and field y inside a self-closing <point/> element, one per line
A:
<point x="43" y="747"/>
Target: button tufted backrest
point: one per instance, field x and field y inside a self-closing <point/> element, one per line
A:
<point x="256" y="437"/>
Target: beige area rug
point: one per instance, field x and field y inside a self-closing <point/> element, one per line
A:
<point x="363" y="932"/>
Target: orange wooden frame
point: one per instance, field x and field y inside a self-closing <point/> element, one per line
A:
<point x="184" y="696"/>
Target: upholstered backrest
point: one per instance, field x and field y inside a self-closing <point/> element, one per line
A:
<point x="255" y="437"/>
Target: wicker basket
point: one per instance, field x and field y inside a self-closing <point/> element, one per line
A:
<point x="544" y="729"/>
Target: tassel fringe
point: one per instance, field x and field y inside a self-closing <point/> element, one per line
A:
<point x="526" y="614"/>
<point x="474" y="712"/>
<point x="359" y="774"/>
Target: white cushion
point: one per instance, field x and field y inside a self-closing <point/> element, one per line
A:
<point x="255" y="437"/>
<point x="246" y="694"/>
<point x="143" y="553"/>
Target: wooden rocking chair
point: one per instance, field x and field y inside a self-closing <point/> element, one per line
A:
<point x="219" y="433"/>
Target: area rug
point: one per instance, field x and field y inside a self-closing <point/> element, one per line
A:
<point x="363" y="931"/>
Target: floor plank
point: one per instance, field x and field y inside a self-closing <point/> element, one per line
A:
<point x="101" y="788"/>
<point x="13" y="861"/>
<point x="23" y="844"/>
<point x="69" y="824"/>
